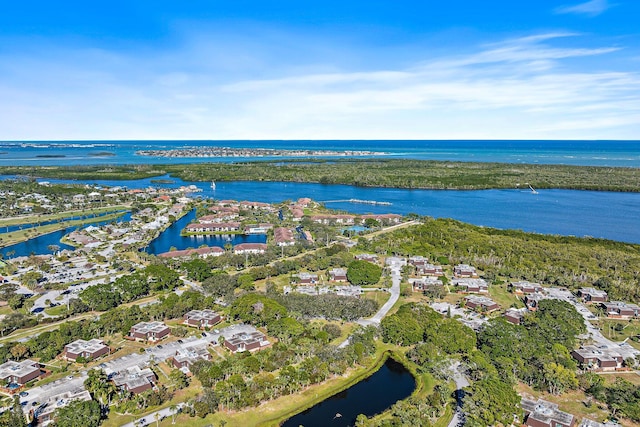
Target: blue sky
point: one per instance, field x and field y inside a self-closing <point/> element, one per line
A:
<point x="561" y="69"/>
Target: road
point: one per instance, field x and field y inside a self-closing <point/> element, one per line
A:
<point x="461" y="382"/>
<point x="396" y="277"/>
<point x="151" y="418"/>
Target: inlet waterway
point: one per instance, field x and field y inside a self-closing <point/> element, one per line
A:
<point x="373" y="395"/>
<point x="171" y="238"/>
<point x="44" y="244"/>
<point x="601" y="214"/>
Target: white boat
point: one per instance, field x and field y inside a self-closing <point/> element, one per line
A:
<point x="213" y="185"/>
<point x="533" y="189"/>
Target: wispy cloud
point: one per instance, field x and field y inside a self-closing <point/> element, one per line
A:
<point x="518" y="88"/>
<point x="589" y="8"/>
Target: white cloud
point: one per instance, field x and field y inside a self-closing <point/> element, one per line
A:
<point x="589" y="8"/>
<point x="517" y="89"/>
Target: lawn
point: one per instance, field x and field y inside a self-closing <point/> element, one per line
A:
<point x="380" y="297"/>
<point x="502" y="296"/>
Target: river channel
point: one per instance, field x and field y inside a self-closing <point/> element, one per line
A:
<point x="608" y="215"/>
<point x="373" y="395"/>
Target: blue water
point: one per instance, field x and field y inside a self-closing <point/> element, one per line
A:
<point x="40" y="245"/>
<point x="596" y="153"/>
<point x="373" y="395"/>
<point x="609" y="215"/>
<point x="171" y="238"/>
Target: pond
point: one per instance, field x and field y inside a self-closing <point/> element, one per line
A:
<point x="373" y="395"/>
<point x="172" y="238"/>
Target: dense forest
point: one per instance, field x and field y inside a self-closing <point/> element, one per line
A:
<point x="554" y="260"/>
<point x="396" y="173"/>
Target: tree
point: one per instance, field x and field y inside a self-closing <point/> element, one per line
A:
<point x="490" y="401"/>
<point x="362" y="273"/>
<point x="174" y="411"/>
<point x="79" y="414"/>
<point x="100" y="387"/>
<point x="179" y="379"/>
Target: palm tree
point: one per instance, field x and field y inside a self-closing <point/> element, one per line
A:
<point x="156" y="416"/>
<point x="174" y="411"/>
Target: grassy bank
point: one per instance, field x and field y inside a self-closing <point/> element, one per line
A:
<point x="61" y="216"/>
<point x="392" y="173"/>
<point x="11" y="238"/>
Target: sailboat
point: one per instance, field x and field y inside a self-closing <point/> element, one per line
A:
<point x="533" y="190"/>
<point x="213" y="185"/>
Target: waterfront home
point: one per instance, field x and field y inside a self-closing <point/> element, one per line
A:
<point x="149" y="331"/>
<point x="338" y="275"/>
<point x="257" y="228"/>
<point x="385" y="219"/>
<point x="188" y="355"/>
<point x="590" y="295"/>
<point x="250" y="248"/>
<point x="283" y="237"/>
<point x="201" y="252"/>
<point x="342" y="219"/>
<point x="256" y="206"/>
<point x="598" y="358"/>
<point x="524" y="287"/>
<point x="221" y="217"/>
<point x="515" y="315"/>
<point x="305" y="278"/>
<point x="88" y="350"/>
<point x="540" y="413"/>
<point x="464" y="270"/>
<point x="297" y="213"/>
<point x="621" y="310"/>
<point x="472" y="286"/>
<point x="216" y="227"/>
<point x="202" y="318"/>
<point x="20" y="373"/>
<point x="134" y="380"/>
<point x="246" y="341"/>
<point x="224" y="209"/>
<point x="484" y="304"/>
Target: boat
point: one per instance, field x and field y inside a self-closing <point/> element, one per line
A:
<point x="213" y="185"/>
<point x="533" y="190"/>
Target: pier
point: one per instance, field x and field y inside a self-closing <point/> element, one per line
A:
<point x="365" y="202"/>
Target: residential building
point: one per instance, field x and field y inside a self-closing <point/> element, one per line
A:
<point x="533" y="300"/>
<point x="88" y="350"/>
<point x="598" y="358"/>
<point x="19" y="372"/>
<point x="257" y="228"/>
<point x="214" y="227"/>
<point x="367" y="257"/>
<point x="423" y="283"/>
<point x="201" y="252"/>
<point x="250" y="248"/>
<point x="525" y="288"/>
<point x="149" y="331"/>
<point x="305" y="278"/>
<point x="395" y="262"/>
<point x="540" y="413"/>
<point x="472" y="286"/>
<point x="283" y="237"/>
<point x="338" y="275"/>
<point x="45" y="414"/>
<point x="483" y="303"/>
<point x="385" y="219"/>
<point x="202" y="318"/>
<point x="243" y="341"/>
<point x="334" y="219"/>
<point x="186" y="356"/>
<point x="135" y="380"/>
<point x="464" y="270"/>
<point x="515" y="315"/>
<point x="590" y="295"/>
<point x="621" y="310"/>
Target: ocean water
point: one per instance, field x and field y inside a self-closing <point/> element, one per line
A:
<point x="594" y="153"/>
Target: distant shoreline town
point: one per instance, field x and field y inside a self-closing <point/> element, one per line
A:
<point x="250" y="152"/>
